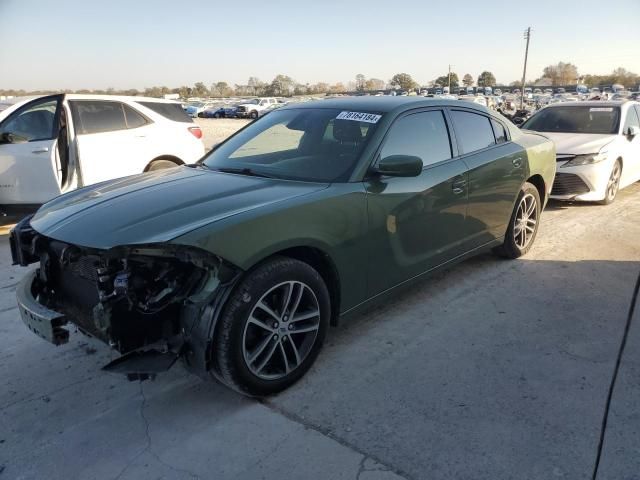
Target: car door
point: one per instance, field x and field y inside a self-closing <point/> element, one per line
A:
<point x="631" y="147"/>
<point x="416" y="223"/>
<point x="111" y="139"/>
<point x="497" y="169"/>
<point x="31" y="171"/>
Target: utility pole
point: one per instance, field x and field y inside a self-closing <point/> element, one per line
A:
<point x="449" y="79"/>
<point x="527" y="35"/>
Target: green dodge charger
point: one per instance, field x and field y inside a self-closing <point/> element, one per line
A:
<point x="238" y="264"/>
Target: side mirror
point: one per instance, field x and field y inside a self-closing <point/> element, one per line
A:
<point x="8" y="137"/>
<point x="400" y="166"/>
<point x="632" y="131"/>
<point x="518" y="121"/>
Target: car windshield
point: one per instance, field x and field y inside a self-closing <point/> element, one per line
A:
<point x="575" y="119"/>
<point x="309" y="144"/>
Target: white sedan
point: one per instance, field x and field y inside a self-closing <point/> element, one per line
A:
<point x="597" y="145"/>
<point x="56" y="143"/>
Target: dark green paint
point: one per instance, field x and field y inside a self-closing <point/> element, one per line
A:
<point x="377" y="230"/>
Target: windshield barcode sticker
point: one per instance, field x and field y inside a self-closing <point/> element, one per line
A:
<point x="601" y="109"/>
<point x="359" y="117"/>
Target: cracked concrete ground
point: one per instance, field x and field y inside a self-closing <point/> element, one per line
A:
<point x="491" y="370"/>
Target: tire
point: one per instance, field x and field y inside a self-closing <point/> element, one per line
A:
<point x="259" y="351"/>
<point x="253" y="114"/>
<point x="613" y="184"/>
<point x="216" y="115"/>
<point x="525" y="216"/>
<point x="160" y="165"/>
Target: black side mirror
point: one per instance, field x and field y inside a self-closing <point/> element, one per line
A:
<point x="400" y="166"/>
<point x="8" y="137"/>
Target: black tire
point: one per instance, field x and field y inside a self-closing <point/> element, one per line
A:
<point x="216" y="115"/>
<point x="613" y="184"/>
<point x="253" y="114"/>
<point x="514" y="246"/>
<point x="232" y="357"/>
<point x="160" y="165"/>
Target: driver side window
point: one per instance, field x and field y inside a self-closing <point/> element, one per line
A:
<point x="35" y="122"/>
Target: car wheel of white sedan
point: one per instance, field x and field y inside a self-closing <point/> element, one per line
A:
<point x="613" y="185"/>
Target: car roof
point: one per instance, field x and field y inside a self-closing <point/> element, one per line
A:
<point x="89" y="96"/>
<point x="384" y="104"/>
<point x="590" y="103"/>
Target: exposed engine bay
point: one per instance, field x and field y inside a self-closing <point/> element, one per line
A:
<point x="148" y="302"/>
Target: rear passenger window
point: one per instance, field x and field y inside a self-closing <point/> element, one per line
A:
<point x="423" y="135"/>
<point x="92" y="116"/>
<point x="473" y="131"/>
<point x="134" y="118"/>
<point x="170" y="111"/>
<point x="499" y="131"/>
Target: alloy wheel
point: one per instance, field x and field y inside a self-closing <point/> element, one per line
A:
<point x="281" y="330"/>
<point x="614" y="182"/>
<point x="525" y="221"/>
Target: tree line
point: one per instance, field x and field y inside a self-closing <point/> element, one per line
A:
<point x="283" y="85"/>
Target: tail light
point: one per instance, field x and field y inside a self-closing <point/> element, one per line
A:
<point x="196" y="132"/>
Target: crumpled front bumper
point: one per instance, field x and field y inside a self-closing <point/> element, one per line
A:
<point x="42" y="321"/>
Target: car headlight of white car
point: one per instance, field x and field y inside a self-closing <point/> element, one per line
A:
<point x="587" y="159"/>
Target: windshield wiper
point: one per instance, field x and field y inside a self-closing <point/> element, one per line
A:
<point x="242" y="171"/>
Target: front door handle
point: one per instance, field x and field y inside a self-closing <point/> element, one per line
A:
<point x="40" y="150"/>
<point x="458" y="186"/>
<point x="517" y="162"/>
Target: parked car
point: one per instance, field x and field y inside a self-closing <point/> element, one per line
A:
<point x="598" y="146"/>
<point x="270" y="108"/>
<point x="479" y="99"/>
<point x="213" y="112"/>
<point x="239" y="264"/>
<point x="57" y="143"/>
<point x="252" y="108"/>
<point x="195" y="108"/>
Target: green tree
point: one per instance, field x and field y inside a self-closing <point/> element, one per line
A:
<point x="221" y="89"/>
<point x="403" y="81"/>
<point x="374" y="84"/>
<point x="199" y="90"/>
<point x="282" y="85"/>
<point x="467" y="80"/>
<point x="561" y="74"/>
<point x="486" y="79"/>
<point x="443" y="81"/>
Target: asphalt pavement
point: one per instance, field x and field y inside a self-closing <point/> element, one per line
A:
<point x="492" y="369"/>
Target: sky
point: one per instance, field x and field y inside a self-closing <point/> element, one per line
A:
<point x="95" y="44"/>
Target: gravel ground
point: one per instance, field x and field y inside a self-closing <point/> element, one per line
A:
<point x="215" y="130"/>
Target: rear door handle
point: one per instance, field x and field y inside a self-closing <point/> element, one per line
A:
<point x="40" y="150"/>
<point x="517" y="162"/>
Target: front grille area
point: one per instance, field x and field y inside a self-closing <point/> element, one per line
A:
<point x="242" y="109"/>
<point x="568" y="184"/>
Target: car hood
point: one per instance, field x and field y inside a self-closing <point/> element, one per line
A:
<point x="158" y="206"/>
<point x="579" y="143"/>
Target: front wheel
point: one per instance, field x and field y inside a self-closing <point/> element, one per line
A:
<point x="254" y="114"/>
<point x="523" y="225"/>
<point x="272" y="327"/>
<point x="613" y="185"/>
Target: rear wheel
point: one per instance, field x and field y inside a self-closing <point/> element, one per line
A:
<point x="613" y="185"/>
<point x="523" y="225"/>
<point x="272" y="327"/>
<point x="160" y="165"/>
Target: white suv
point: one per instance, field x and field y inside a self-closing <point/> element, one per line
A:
<point x="53" y="144"/>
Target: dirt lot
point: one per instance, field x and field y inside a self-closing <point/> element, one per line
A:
<point x="492" y="370"/>
<point x="215" y="130"/>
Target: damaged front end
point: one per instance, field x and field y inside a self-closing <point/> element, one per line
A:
<point x="152" y="303"/>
